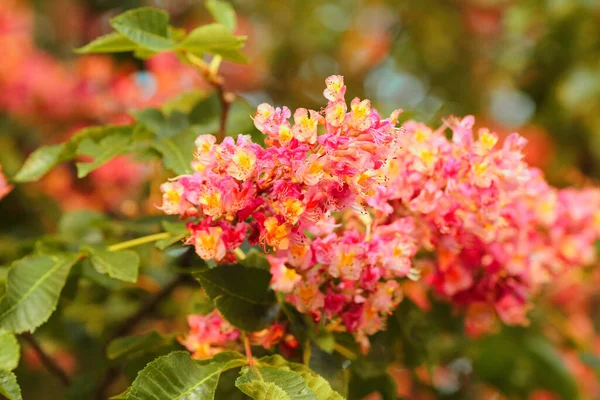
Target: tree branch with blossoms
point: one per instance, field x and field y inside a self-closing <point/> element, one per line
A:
<point x="331" y="240"/>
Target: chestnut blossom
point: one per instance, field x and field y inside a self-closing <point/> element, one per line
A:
<point x="343" y="200"/>
<point x="211" y="334"/>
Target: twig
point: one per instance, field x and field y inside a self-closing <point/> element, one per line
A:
<point x="251" y="361"/>
<point x="210" y="74"/>
<point x="139" y="241"/>
<point x="48" y="362"/>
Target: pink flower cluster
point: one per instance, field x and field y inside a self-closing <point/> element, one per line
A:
<point x="495" y="228"/>
<point x="342" y="201"/>
<point x="282" y="197"/>
<point x="210" y="334"/>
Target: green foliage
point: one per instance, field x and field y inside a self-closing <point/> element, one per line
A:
<point x="316" y="383"/>
<point x="146" y="31"/>
<point x="147" y="27"/>
<point x="102" y="151"/>
<point x="114" y="42"/>
<point x="97" y="142"/>
<point x="222" y="12"/>
<point x="33" y="287"/>
<point x="361" y="387"/>
<point x="516" y="360"/>
<point x="270" y="383"/>
<point x="131" y="345"/>
<point x="8" y="385"/>
<point x="215" y="39"/>
<point x="241" y="294"/>
<point x="10" y="351"/>
<point x="43" y="160"/>
<point x="177" y="376"/>
<point x="179" y="231"/>
<point x="122" y="265"/>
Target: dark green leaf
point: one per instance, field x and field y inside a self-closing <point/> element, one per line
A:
<point x="359" y="388"/>
<point x="550" y="368"/>
<point x="82" y="225"/>
<point x="33" y="288"/>
<point x="146" y="26"/>
<point x="222" y="12"/>
<point x="9" y="387"/>
<point x="133" y="344"/>
<point x="177" y="376"/>
<point x="241" y="294"/>
<point x="256" y="259"/>
<point x="112" y="43"/>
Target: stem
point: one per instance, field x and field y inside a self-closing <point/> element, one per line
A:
<point x="251" y="361"/>
<point x="211" y="74"/>
<point x="307" y="353"/>
<point x="349" y="354"/>
<point x="239" y="253"/>
<point x="48" y="362"/>
<point x="226" y="99"/>
<point x="139" y="241"/>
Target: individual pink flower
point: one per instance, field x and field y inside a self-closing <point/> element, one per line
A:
<point x="5" y="188"/>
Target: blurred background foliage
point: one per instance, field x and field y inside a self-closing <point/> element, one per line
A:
<point x="531" y="66"/>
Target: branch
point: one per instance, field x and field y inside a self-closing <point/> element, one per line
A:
<point x="48" y="362"/>
<point x="147" y="308"/>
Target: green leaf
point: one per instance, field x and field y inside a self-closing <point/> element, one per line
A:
<point x="550" y="368"/>
<point x="112" y="43"/>
<point x="43" y="160"/>
<point x="10" y="353"/>
<point x="256" y="259"/>
<point x="177" y="376"/>
<point x="266" y="383"/>
<point x="9" y="387"/>
<point x="177" y="152"/>
<point x="34" y="286"/>
<point x="222" y="12"/>
<point x="159" y="123"/>
<point x="133" y="344"/>
<point x="82" y="226"/>
<point x="316" y="383"/>
<point x="146" y="26"/>
<point x="215" y="39"/>
<point x="115" y="143"/>
<point x="241" y="294"/>
<point x="122" y="265"/>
